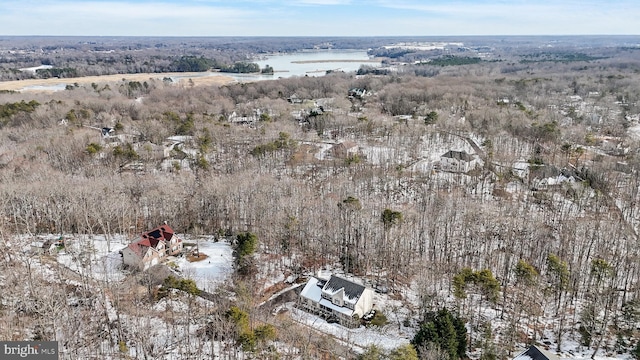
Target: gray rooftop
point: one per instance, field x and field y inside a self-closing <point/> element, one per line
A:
<point x="459" y="155"/>
<point x="535" y="353"/>
<point x="351" y="289"/>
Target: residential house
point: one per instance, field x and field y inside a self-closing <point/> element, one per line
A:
<point x="544" y="177"/>
<point x="345" y="149"/>
<point x="152" y="248"/>
<point x="107" y="131"/>
<point x="237" y="119"/>
<point x="255" y="116"/>
<point x="534" y="352"/>
<point x="294" y="99"/>
<point x="575" y="98"/>
<point x="550" y="182"/>
<point x="301" y="116"/>
<point x="336" y="299"/>
<point x="458" y="161"/>
<point x="521" y="169"/>
<point x="358" y="93"/>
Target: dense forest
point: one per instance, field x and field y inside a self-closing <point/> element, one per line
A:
<point x="536" y="242"/>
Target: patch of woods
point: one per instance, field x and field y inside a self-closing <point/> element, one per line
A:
<point x="518" y="257"/>
<point x="13" y="111"/>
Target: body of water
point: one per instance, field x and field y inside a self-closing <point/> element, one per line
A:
<point x="55" y="87"/>
<point x="302" y="63"/>
<point x="317" y="63"/>
<point x="308" y="63"/>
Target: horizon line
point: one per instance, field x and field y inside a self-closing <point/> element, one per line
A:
<point x="316" y="36"/>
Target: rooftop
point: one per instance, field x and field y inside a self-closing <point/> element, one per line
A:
<point x="314" y="292"/>
<point x="459" y="155"/>
<point x="535" y="353"/>
<point x="352" y="290"/>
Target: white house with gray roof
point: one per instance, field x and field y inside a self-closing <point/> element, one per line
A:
<point x="459" y="161"/>
<point x="339" y="299"/>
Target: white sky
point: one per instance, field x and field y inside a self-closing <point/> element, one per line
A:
<point x="318" y="17"/>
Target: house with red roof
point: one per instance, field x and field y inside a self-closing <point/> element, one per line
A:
<point x="152" y="248"/>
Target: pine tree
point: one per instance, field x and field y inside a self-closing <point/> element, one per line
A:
<point x="444" y="331"/>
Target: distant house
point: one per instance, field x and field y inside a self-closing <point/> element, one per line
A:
<point x="535" y="353"/>
<point x="152" y="248"/>
<point x="107" y="131"/>
<point x="358" y="93"/>
<point x="544" y="177"/>
<point x="255" y="116"/>
<point x="336" y="299"/>
<point x="575" y="98"/>
<point x="458" y="161"/>
<point x="345" y="149"/>
<point x="238" y="119"/>
<point x="521" y="169"/>
<point x="301" y="116"/>
<point x="550" y="182"/>
<point x="294" y="99"/>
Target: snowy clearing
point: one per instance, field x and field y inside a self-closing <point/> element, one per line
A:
<point x="213" y="270"/>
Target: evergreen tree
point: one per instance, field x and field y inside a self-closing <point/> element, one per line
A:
<point x="246" y="244"/>
<point x="442" y="330"/>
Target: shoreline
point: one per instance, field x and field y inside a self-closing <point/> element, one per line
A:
<point x="198" y="78"/>
<point x="334" y="61"/>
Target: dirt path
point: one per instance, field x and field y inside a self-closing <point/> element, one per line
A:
<point x="29" y="84"/>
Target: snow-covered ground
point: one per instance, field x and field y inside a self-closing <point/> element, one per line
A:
<point x="387" y="337"/>
<point x="323" y="151"/>
<point x="97" y="256"/>
<point x="213" y="270"/>
<point x="36" y="68"/>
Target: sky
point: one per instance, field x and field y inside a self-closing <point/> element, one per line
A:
<point x="318" y="17"/>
